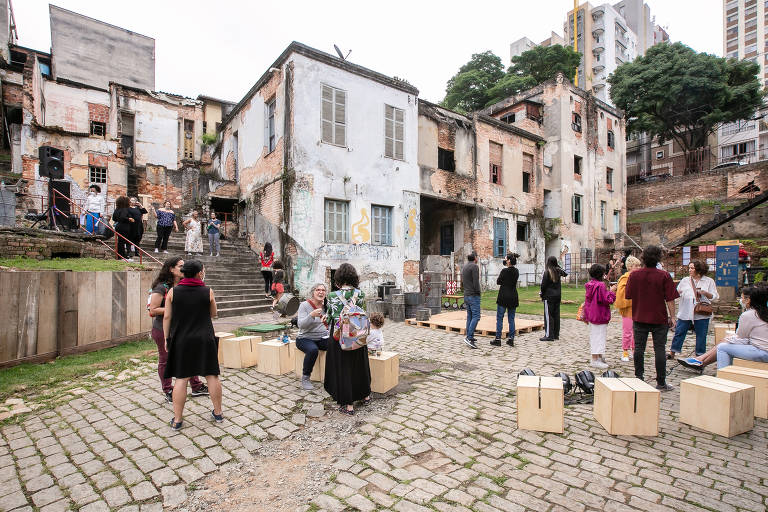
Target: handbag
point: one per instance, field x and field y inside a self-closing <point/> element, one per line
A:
<point x="701" y="308"/>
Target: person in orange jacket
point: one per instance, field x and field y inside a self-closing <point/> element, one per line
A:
<point x="624" y="306"/>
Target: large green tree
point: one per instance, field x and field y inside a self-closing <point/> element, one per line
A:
<point x="467" y="90"/>
<point x="482" y="81"/>
<point x="675" y="93"/>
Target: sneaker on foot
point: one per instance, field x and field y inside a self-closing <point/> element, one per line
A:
<point x="690" y="362"/>
<point x="174" y="425"/>
<point x="470" y="343"/>
<point x="496" y="342"/>
<point x="598" y="364"/>
<point x="165" y="252"/>
<point x="306" y="384"/>
<point x="546" y="338"/>
<point x="218" y="418"/>
<point x="664" y="387"/>
<point x="169" y="397"/>
<point x="201" y="391"/>
<point x="625" y="358"/>
<point x="157" y="250"/>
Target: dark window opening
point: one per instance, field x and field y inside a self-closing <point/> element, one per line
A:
<point x="98" y="129"/>
<point x="609" y="178"/>
<point x="495" y="178"/>
<point x="526" y="182"/>
<point x="576" y="209"/>
<point x="508" y="118"/>
<point x="18" y="58"/>
<point x="577" y="165"/>
<point x="576" y="122"/>
<point x="445" y="160"/>
<point x="522" y="232"/>
<point x="97" y="174"/>
<point x="205" y="127"/>
<point x="611" y="139"/>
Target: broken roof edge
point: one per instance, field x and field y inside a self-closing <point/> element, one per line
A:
<point x="538" y="89"/>
<point x="51" y="7"/>
<point x="203" y="97"/>
<point x="484" y="118"/>
<point x="326" y="58"/>
<point x="154" y="94"/>
<point x="425" y="104"/>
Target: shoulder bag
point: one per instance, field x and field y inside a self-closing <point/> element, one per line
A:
<point x="700" y="308"/>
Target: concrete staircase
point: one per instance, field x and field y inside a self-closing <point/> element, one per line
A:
<point x="234" y="276"/>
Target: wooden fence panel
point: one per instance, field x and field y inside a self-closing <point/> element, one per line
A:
<point x="95" y="307"/>
<point x="134" y="301"/>
<point x="48" y="312"/>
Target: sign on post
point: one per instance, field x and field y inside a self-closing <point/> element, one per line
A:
<point x="727" y="266"/>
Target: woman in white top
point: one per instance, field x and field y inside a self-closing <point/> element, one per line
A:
<point x="94" y="208"/>
<point x="751" y="340"/>
<point x="695" y="288"/>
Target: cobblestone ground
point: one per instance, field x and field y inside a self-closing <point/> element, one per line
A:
<point x="447" y="441"/>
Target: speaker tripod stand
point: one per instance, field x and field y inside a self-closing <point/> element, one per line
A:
<point x="50" y="212"/>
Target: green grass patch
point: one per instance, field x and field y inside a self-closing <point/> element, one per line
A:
<point x="706" y="207"/>
<point x="530" y="303"/>
<point x="73" y="264"/>
<point x="32" y="378"/>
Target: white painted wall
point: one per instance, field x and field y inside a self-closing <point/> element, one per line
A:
<point x="156" y="133"/>
<point x="67" y="106"/>
<point x="358" y="173"/>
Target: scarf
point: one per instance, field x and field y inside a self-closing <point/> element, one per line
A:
<point x="191" y="281"/>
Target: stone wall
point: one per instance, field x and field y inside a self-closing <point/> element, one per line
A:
<point x="38" y="244"/>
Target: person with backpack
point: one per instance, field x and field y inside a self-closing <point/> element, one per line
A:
<point x="550" y="294"/>
<point x="347" y="372"/>
<point x="169" y="276"/>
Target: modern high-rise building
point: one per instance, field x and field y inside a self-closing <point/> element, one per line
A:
<point x="524" y="44"/>
<point x="608" y="36"/>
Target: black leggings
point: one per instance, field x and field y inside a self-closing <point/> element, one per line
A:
<point x="163" y="232"/>
<point x="267" y="280"/>
<point x="552" y="318"/>
<point x="122" y="242"/>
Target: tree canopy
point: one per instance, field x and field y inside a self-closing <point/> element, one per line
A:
<point x="482" y="81"/>
<point x="675" y="93"/>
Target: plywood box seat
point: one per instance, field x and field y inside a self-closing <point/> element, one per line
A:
<point x="750" y="364"/>
<point x="318" y="371"/>
<point x="627" y="407"/>
<point x="274" y="357"/>
<point x="721" y="330"/>
<point x="239" y="351"/>
<point x="720" y="406"/>
<point x="753" y="377"/>
<point x="540" y="403"/>
<point x="222" y="336"/>
<point x="385" y="371"/>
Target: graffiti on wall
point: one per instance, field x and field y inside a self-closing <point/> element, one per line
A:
<point x="360" y="231"/>
<point x="344" y="252"/>
<point x="411" y="225"/>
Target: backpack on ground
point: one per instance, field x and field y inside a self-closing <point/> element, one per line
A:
<point x="352" y="327"/>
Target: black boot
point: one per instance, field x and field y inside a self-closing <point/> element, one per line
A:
<point x="496" y="342"/>
<point x="511" y="342"/>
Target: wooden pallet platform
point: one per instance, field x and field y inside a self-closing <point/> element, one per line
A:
<point x="456" y="321"/>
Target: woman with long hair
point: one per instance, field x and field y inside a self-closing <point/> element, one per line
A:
<point x="751" y="340"/>
<point x="168" y="277"/>
<point x="124" y="221"/>
<point x="507" y="300"/>
<point x="551" y="295"/>
<point x="194" y="240"/>
<point x="190" y="340"/>
<point x="695" y="289"/>
<point x="166" y="221"/>
<point x="267" y="259"/>
<point x="347" y="372"/>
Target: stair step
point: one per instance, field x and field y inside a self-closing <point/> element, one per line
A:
<point x="248" y="310"/>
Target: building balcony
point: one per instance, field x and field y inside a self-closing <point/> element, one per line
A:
<point x="621" y="41"/>
<point x="598" y="48"/>
<point x="598" y="85"/>
<point x="597" y="68"/>
<point x="597" y="32"/>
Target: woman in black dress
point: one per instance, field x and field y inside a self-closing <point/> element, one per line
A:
<point x="123" y="225"/>
<point x="189" y="339"/>
<point x="507" y="299"/>
<point x="550" y="294"/>
<point x="137" y="212"/>
<point x="347" y="373"/>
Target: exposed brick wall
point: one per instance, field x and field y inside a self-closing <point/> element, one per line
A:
<point x="32" y="243"/>
<point x="681" y="190"/>
<point x="446" y="135"/>
<point x="12" y="94"/>
<point x="98" y="113"/>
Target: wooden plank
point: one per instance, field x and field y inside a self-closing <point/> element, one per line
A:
<point x="385" y="371"/>
<point x="47" y="313"/>
<point x="95" y="309"/>
<point x="274" y="358"/>
<point x="753" y="377"/>
<point x="455" y="321"/>
<point x="627" y="406"/>
<point x="118" y="306"/>
<point x="750" y="364"/>
<point x="145" y="285"/>
<point x="29" y="293"/>
<point x="136" y="303"/>
<point x="540" y="403"/>
<point x="67" y="328"/>
<point x="729" y="409"/>
<point x="9" y="312"/>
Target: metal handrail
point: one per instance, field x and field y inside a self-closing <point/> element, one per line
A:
<point x="139" y="250"/>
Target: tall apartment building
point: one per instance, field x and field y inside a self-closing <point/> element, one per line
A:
<point x="608" y="36"/>
<point x="744" y="38"/>
<point x="524" y="44"/>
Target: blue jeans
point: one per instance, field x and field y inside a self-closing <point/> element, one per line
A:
<point x="727" y="351"/>
<point x="473" y="314"/>
<point x="310" y="349"/>
<point x="681" y="329"/>
<point x="91" y="221"/>
<point x="500" y="321"/>
<point x="213" y="243"/>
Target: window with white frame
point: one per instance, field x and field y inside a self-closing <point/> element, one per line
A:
<point x="336" y="221"/>
<point x="616" y="222"/>
<point x="97" y="174"/>
<point x="382" y="225"/>
<point x="334" y="116"/>
<point x="394" y="132"/>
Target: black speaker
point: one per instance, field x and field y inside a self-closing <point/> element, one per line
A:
<point x="51" y="162"/>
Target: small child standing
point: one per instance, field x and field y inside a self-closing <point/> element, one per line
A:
<point x="375" y="338"/>
<point x="597" y="312"/>
<point x="278" y="287"/>
<point x="624" y="305"/>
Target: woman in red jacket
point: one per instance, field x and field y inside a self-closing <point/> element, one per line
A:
<point x="267" y="258"/>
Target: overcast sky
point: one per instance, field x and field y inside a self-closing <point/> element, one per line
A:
<point x="220" y="48"/>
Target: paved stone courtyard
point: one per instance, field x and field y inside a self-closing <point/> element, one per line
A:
<point x="446" y="441"/>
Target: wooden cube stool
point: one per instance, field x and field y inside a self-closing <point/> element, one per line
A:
<point x="222" y="336"/>
<point x="627" y="407"/>
<point x="720" y="406"/>
<point x="720" y="330"/>
<point x="540" y="403"/>
<point x="274" y="357"/>
<point x="385" y="371"/>
<point x="239" y="352"/>
<point x="753" y="377"/>
<point x="318" y="371"/>
<point x="750" y="364"/>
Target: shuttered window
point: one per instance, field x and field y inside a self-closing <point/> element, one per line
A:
<point x="336" y="221"/>
<point x="394" y="132"/>
<point x="382" y="225"/>
<point x="334" y="116"/>
<point x="499" y="237"/>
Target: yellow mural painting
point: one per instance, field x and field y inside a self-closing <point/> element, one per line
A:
<point x="412" y="222"/>
<point x="360" y="232"/>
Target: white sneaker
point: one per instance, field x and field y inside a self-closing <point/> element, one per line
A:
<point x="625" y="358"/>
<point x="165" y="252"/>
<point x="156" y="250"/>
<point x="598" y="364"/>
<point x="129" y="260"/>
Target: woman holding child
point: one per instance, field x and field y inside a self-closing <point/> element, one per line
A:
<point x="347" y="373"/>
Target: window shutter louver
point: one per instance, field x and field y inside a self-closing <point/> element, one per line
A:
<point x="327" y="114"/>
<point x="266" y="127"/>
<point x="340" y="112"/>
<point x="399" y="134"/>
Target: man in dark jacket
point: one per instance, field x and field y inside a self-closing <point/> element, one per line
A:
<point x="470" y="280"/>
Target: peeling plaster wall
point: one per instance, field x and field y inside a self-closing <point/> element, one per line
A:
<point x="156" y="132"/>
<point x="358" y="173"/>
<point x="67" y="106"/>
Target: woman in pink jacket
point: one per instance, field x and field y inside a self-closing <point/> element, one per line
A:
<point x="597" y="312"/>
